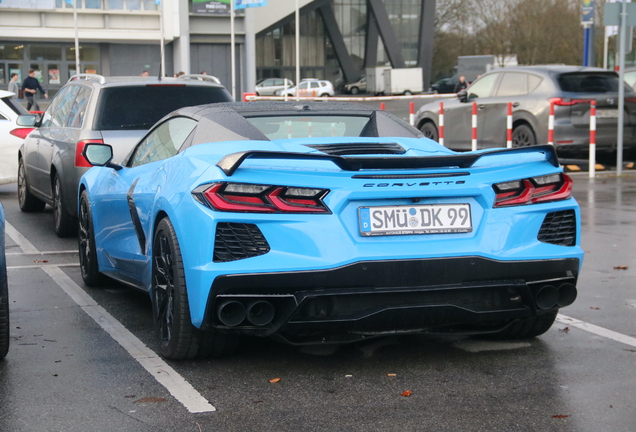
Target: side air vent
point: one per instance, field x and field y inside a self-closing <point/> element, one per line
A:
<point x="359" y="148"/>
<point x="559" y="228"/>
<point x="236" y="241"/>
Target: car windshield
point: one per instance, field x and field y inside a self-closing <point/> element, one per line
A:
<point x="587" y="82"/>
<point x="285" y="127"/>
<point x="130" y="107"/>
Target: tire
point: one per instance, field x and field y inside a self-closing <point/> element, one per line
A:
<point x="257" y="94"/>
<point x="523" y="136"/>
<point x="4" y="313"/>
<point x="26" y="200"/>
<point x="408" y="93"/>
<point x="324" y="95"/>
<point x="528" y="328"/>
<point x="64" y="223"/>
<point x="354" y="91"/>
<point x="429" y="130"/>
<point x="86" y="244"/>
<point x="178" y="338"/>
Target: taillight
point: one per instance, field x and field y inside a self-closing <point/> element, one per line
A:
<point x="553" y="187"/>
<point x="21" y="132"/>
<point x="80" y="160"/>
<point x="568" y="101"/>
<point x="254" y="198"/>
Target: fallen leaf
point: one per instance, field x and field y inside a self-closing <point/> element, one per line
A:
<point x="54" y="375"/>
<point x="407" y="393"/>
<point x="348" y="376"/>
<point x="621" y="267"/>
<point x="391" y="375"/>
<point x="150" y="399"/>
<point x="275" y="380"/>
<point x="565" y="330"/>
<point x="130" y="396"/>
<point x="41" y="261"/>
<point x="560" y="416"/>
<point x="595" y="308"/>
<point x="611" y="406"/>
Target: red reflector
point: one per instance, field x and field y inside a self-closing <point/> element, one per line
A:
<point x="565" y="142"/>
<point x="220" y="203"/>
<point x="564" y="192"/>
<point x="21" y="132"/>
<point x="80" y="160"/>
<point x="568" y="101"/>
<point x="524" y="196"/>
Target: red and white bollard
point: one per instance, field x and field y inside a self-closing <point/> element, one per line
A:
<point x="509" y="126"/>
<point x="412" y="113"/>
<point x="592" y="167"/>
<point x="474" y="142"/>
<point x="551" y="124"/>
<point x="441" y="123"/>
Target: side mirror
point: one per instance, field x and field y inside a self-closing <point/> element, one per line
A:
<point x="100" y="155"/>
<point x="28" y="120"/>
<point x="462" y="95"/>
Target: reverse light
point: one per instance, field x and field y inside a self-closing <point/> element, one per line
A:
<point x="553" y="187"/>
<point x="255" y="198"/>
<point x="80" y="160"/>
<point x="21" y="132"/>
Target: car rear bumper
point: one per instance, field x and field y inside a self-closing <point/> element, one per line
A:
<point x="450" y="295"/>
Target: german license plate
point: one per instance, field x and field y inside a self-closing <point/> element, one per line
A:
<point x="417" y="219"/>
<point x="607" y="113"/>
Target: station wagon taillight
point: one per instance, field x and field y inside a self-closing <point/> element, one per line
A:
<point x="535" y="190"/>
<point x="21" y="132"/>
<point x="255" y="198"/>
<point x="568" y="101"/>
<point x="80" y="160"/>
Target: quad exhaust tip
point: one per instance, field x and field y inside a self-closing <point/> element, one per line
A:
<point x="549" y="296"/>
<point x="231" y="313"/>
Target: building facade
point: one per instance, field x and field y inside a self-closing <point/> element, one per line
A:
<point x="338" y="38"/>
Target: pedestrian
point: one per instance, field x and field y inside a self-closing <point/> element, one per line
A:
<point x="461" y="85"/>
<point x="144" y="73"/>
<point x="13" y="85"/>
<point x="30" y="86"/>
<point x="203" y="73"/>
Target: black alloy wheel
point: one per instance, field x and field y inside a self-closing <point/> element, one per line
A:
<point x="178" y="338"/>
<point x="523" y="136"/>
<point x="354" y="90"/>
<point x="26" y="200"/>
<point x="429" y="130"/>
<point x="64" y="222"/>
<point x="86" y="244"/>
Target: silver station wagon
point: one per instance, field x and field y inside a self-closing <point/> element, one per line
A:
<point x="94" y="109"/>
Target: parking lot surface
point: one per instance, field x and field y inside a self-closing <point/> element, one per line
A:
<point x="84" y="359"/>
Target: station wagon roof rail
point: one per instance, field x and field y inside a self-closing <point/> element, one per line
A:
<point x="201" y="77"/>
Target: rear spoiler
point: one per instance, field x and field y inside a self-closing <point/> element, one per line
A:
<point x="230" y="163"/>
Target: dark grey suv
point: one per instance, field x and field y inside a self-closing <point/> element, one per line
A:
<point x="92" y="108"/>
<point x="530" y="89"/>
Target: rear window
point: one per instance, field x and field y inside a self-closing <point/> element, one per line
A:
<point x="14" y="105"/>
<point x="129" y="108"/>
<point x="586" y="82"/>
<point x="309" y="126"/>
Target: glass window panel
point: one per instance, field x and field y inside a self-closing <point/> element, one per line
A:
<point x="9" y="51"/>
<point x="533" y="82"/>
<point x="315" y="126"/>
<point x="513" y="84"/>
<point x="150" y="5"/>
<point x="115" y="4"/>
<point x="3" y="75"/>
<point x="93" y="4"/>
<point x="133" y="4"/>
<point x="163" y="142"/>
<point x="45" y="52"/>
<point x="64" y="108"/>
<point x="54" y="74"/>
<point x="482" y="87"/>
<point x="87" y="53"/>
<point x="76" y="117"/>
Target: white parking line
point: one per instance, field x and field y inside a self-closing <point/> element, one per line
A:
<point x="33" y="266"/>
<point x="159" y="369"/>
<point x="44" y="253"/>
<point x="599" y="331"/>
<point x="19" y="239"/>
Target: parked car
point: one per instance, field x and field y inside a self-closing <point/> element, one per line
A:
<point x="270" y="86"/>
<point x="310" y="88"/>
<point x="4" y="293"/>
<point x="359" y="86"/>
<point x="531" y="89"/>
<point x="327" y="223"/>
<point x="445" y="85"/>
<point x="93" y="108"/>
<point x="11" y="136"/>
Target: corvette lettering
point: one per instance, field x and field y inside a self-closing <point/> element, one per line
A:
<point x="414" y="184"/>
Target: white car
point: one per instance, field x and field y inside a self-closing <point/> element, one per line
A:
<point x="11" y="136"/>
<point x="270" y="86"/>
<point x="310" y="88"/>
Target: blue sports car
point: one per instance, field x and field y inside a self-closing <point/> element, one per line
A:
<point x="327" y="223"/>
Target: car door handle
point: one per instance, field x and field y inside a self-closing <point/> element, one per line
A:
<point x="481" y="107"/>
<point x="515" y="104"/>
